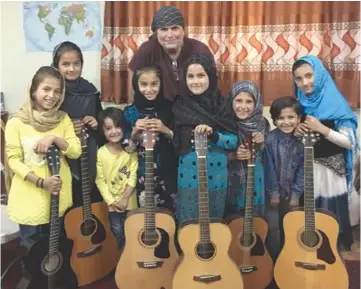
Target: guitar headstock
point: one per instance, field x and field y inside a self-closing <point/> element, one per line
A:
<point x="84" y="136"/>
<point x="201" y="144"/>
<point x="252" y="149"/>
<point x="310" y="138"/>
<point x="53" y="157"/>
<point x="148" y="139"/>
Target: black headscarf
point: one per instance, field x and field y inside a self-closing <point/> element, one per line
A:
<point x="208" y="108"/>
<point x="167" y="16"/>
<point x="161" y="108"/>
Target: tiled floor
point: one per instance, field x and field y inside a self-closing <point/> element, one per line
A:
<point x="352" y="260"/>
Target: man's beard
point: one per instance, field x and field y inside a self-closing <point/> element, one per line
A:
<point x="172" y="50"/>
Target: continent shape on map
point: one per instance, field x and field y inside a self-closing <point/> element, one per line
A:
<point x="68" y="14"/>
<point x="48" y="23"/>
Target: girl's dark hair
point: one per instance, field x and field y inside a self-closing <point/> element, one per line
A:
<point x="115" y="114"/>
<point x="149" y="68"/>
<point x="297" y="64"/>
<point x="63" y="47"/>
<point x="42" y="73"/>
<point x="285" y="102"/>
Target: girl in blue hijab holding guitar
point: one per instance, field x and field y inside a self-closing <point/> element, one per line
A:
<point x="329" y="115"/>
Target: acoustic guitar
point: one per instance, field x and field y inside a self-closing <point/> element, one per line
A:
<point x="309" y="258"/>
<point x="95" y="251"/>
<point x="150" y="256"/>
<point x="47" y="256"/>
<point x="206" y="263"/>
<point x="248" y="248"/>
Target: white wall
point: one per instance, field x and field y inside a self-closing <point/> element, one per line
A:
<point x="18" y="66"/>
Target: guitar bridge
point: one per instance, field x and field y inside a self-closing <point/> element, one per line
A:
<point x="310" y="266"/>
<point x="90" y="252"/>
<point x="248" y="269"/>
<point x="150" y="264"/>
<point x="207" y="278"/>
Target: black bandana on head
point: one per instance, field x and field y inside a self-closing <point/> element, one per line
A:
<point x="208" y="108"/>
<point x="167" y="16"/>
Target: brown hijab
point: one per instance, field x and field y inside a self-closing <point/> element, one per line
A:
<point x="42" y="120"/>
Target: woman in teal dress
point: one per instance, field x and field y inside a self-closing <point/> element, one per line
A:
<point x="201" y="111"/>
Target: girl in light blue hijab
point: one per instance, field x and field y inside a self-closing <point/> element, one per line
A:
<point x="328" y="113"/>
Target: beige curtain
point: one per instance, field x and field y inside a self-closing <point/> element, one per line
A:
<point x="250" y="40"/>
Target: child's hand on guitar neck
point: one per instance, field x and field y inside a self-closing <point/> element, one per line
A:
<point x="203" y="128"/>
<point x="243" y="153"/>
<point x="258" y="138"/>
<point x="90" y="121"/>
<point x="121" y="205"/>
<point x="140" y="125"/>
<point x="78" y="124"/>
<point x="52" y="185"/>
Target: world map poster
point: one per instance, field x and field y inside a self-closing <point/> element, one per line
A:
<point x="48" y="23"/>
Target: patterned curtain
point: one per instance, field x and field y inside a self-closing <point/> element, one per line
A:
<point x="250" y="40"/>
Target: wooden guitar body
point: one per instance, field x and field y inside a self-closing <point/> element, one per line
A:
<point x="95" y="251"/>
<point x="147" y="266"/>
<point x="310" y="267"/>
<point x="218" y="271"/>
<point x="36" y="276"/>
<point x="254" y="261"/>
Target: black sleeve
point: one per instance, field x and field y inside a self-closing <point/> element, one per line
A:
<point x="98" y="134"/>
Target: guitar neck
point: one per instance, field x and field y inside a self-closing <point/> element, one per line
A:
<point x="309" y="189"/>
<point x="149" y="217"/>
<point x="85" y="183"/>
<point x="54" y="225"/>
<point x="203" y="203"/>
<point x="248" y="215"/>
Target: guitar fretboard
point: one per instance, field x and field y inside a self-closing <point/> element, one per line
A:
<point x="203" y="202"/>
<point x="54" y="225"/>
<point x="309" y="190"/>
<point x="85" y="183"/>
<point x="248" y="215"/>
<point x="149" y="217"/>
<point x="53" y="158"/>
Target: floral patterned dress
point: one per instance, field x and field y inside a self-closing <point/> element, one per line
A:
<point x="165" y="179"/>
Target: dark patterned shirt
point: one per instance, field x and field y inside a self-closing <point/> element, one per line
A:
<point x="283" y="165"/>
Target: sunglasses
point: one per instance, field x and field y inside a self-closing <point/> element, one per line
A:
<point x="175" y="70"/>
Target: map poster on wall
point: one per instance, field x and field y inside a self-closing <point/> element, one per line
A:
<point x="48" y="23"/>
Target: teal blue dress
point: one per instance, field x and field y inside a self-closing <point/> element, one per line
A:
<point x="187" y="193"/>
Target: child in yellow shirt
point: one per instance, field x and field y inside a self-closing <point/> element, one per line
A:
<point x="36" y="126"/>
<point x="116" y="172"/>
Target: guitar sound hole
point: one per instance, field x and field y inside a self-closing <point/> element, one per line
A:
<point x="88" y="227"/>
<point x="310" y="238"/>
<point x="246" y="241"/>
<point x="205" y="250"/>
<point x="51" y="264"/>
<point x="149" y="238"/>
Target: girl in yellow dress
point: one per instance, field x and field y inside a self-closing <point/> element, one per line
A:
<point x="36" y="126"/>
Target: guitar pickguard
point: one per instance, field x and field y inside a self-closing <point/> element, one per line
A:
<point x="258" y="248"/>
<point x="162" y="250"/>
<point x="100" y="234"/>
<point x="325" y="253"/>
